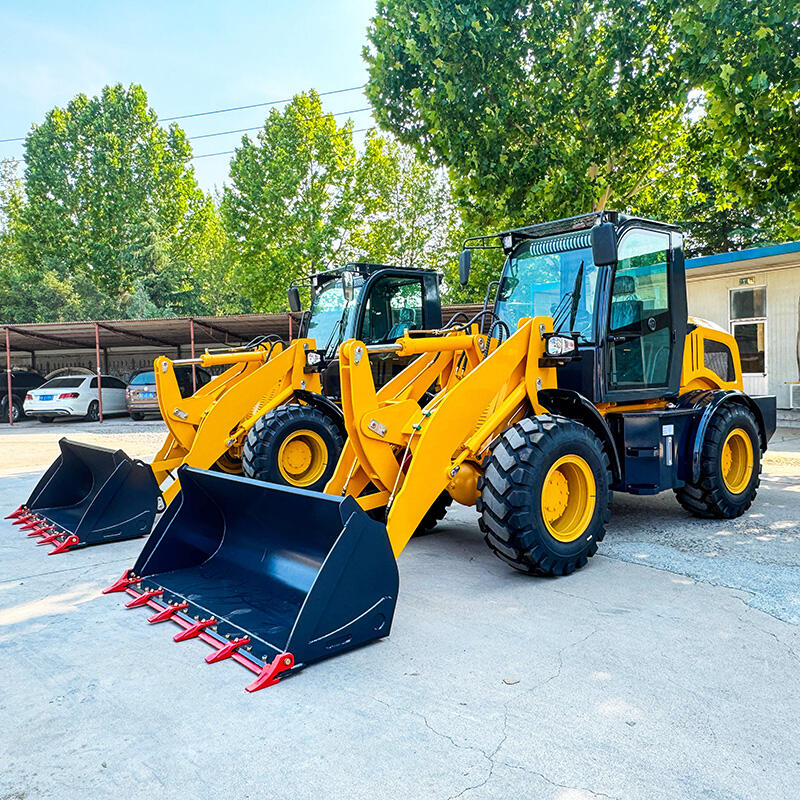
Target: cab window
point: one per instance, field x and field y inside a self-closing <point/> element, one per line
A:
<point x="394" y="305"/>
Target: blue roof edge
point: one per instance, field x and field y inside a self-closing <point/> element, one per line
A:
<point x="743" y="255"/>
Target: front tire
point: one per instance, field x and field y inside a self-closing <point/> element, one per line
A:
<point x="545" y="496"/>
<point x="730" y="466"/>
<point x="293" y="445"/>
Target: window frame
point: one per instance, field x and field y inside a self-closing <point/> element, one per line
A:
<point x="733" y="323"/>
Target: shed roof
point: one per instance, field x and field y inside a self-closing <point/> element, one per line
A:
<point x="169" y="332"/>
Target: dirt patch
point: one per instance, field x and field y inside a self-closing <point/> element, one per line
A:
<point x="33" y="446"/>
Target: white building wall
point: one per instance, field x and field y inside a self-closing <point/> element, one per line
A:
<point x="708" y="298"/>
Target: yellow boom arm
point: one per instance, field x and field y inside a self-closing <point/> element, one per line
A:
<point x="411" y="455"/>
<point x="215" y="420"/>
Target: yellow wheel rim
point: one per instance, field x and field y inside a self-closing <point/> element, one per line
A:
<point x="737" y="461"/>
<point x="568" y="498"/>
<point x="302" y="458"/>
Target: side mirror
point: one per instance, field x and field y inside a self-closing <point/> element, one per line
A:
<point x="604" y="245"/>
<point x="464" y="264"/>
<point x="348" y="289"/>
<point x="293" y="296"/>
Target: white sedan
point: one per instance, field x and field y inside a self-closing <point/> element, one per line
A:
<point x="75" y="396"/>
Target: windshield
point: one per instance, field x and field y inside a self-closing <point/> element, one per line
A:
<point x="552" y="277"/>
<point x="330" y="321"/>
<point x="63" y="383"/>
<point x="143" y="378"/>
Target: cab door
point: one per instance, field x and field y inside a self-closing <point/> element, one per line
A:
<point x="394" y="304"/>
<point x="645" y="319"/>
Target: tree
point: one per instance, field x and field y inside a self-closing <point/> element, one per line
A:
<point x="110" y="206"/>
<point x="291" y="202"/>
<point x="409" y="214"/>
<point x="547" y="110"/>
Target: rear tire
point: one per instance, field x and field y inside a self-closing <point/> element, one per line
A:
<point x="293" y="445"/>
<point x="137" y="416"/>
<point x="545" y="496"/>
<point x="730" y="466"/>
<point x="17" y="412"/>
<point x="93" y="412"/>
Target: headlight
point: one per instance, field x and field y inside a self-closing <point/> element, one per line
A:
<point x="560" y="346"/>
<point x="313" y="358"/>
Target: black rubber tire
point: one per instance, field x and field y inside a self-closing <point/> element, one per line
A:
<point x="434" y="515"/>
<point x="710" y="497"/>
<point x="432" y="518"/>
<point x="93" y="412"/>
<point x="510" y="495"/>
<point x="137" y="416"/>
<point x="18" y="413"/>
<point x="264" y="439"/>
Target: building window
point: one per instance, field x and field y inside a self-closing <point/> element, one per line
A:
<point x="748" y="316"/>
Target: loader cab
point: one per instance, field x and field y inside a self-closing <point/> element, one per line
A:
<point x="628" y="316"/>
<point x="374" y="303"/>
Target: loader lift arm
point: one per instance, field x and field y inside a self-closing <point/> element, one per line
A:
<point x="213" y="422"/>
<point x="441" y="446"/>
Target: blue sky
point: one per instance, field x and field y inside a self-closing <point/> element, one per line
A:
<point x="188" y="56"/>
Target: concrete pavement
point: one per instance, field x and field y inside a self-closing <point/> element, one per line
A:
<point x="667" y="668"/>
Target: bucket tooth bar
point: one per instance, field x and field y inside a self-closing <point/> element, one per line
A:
<point x="227" y="565"/>
<point x="227" y="646"/>
<point x="46" y="532"/>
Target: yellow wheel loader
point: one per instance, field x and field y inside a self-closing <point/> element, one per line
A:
<point x="272" y="414"/>
<point x="591" y="379"/>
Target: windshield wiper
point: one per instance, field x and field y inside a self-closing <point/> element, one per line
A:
<point x="576" y="296"/>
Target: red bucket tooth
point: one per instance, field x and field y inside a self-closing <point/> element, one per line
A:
<point x="23" y="519"/>
<point x="121" y="583"/>
<point x="14" y="514"/>
<point x="168" y="612"/>
<point x="50" y="537"/>
<point x="62" y="547"/>
<point x="269" y="674"/>
<point x="227" y="650"/>
<point x="34" y="523"/>
<point x="142" y="599"/>
<point x="43" y="530"/>
<point x="194" y="630"/>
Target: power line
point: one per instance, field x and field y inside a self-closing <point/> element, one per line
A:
<point x="259" y="127"/>
<point x="231" y="152"/>
<point x="258" y="105"/>
<point x="226" y="110"/>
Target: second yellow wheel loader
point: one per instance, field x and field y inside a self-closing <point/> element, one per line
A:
<point x="596" y="380"/>
<point x="273" y="414"/>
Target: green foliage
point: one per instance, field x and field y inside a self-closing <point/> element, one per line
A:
<point x="551" y="109"/>
<point x="301" y="200"/>
<point x="112" y="222"/>
<point x="409" y="216"/>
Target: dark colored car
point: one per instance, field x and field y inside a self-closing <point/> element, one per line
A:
<point x="21" y="381"/>
<point x="141" y="396"/>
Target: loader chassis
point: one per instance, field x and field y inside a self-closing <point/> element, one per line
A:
<point x="590" y="378"/>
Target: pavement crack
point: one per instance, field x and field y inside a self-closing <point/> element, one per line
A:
<point x="560" y="657"/>
<point x="560" y="785"/>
